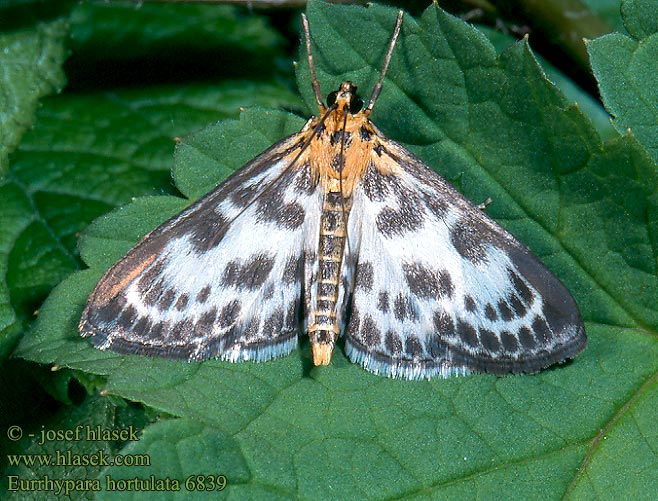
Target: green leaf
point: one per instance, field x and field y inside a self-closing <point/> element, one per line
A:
<point x="640" y="18"/>
<point x="120" y="44"/>
<point x="625" y="68"/>
<point x="32" y="262"/>
<point x="573" y="93"/>
<point x="183" y="450"/>
<point x="30" y="68"/>
<point x="495" y="127"/>
<point x="124" y="30"/>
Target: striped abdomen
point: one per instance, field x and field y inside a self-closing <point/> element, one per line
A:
<point x="324" y="328"/>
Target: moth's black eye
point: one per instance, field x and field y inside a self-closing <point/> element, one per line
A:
<point x="331" y="98"/>
<point x="356" y="104"/>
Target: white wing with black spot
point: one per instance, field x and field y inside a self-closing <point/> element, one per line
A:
<point x="442" y="289"/>
<point x="224" y="277"/>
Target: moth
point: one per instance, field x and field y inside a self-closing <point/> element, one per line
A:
<point x="338" y="231"/>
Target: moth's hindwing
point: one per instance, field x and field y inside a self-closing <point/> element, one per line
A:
<point x="222" y="278"/>
<point x="440" y="288"/>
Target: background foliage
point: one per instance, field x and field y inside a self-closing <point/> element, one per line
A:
<point x="474" y="104"/>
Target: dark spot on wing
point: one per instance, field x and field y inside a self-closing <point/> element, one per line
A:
<point x="292" y="270"/>
<point x="167" y="300"/>
<point x="291" y="216"/>
<point x="490" y="312"/>
<point x="160" y="331"/>
<point x="229" y="314"/>
<point x="243" y="195"/>
<point x="436" y="204"/>
<point x="409" y="214"/>
<point x="393" y="344"/>
<point x="542" y="331"/>
<point x="109" y="312"/>
<point x="489" y="340"/>
<point x="151" y="295"/>
<point x="521" y="288"/>
<point x="413" y="348"/>
<point x="396" y="222"/>
<point x="354" y="326"/>
<point x="469" y="304"/>
<point x="376" y="186"/>
<point x="252" y="329"/>
<point x="403" y="309"/>
<point x="369" y="332"/>
<point x="251" y="275"/>
<point x="470" y="241"/>
<point x="257" y="270"/>
<point x="510" y="343"/>
<point x="506" y="312"/>
<point x="443" y="324"/>
<point x="382" y="303"/>
<point x="364" y="276"/>
<point x="365" y="134"/>
<point x="517" y="305"/>
<point x="304" y="182"/>
<point x="232" y="273"/>
<point x="272" y="208"/>
<point x="182" y="329"/>
<point x="206" y="321"/>
<point x="526" y="338"/>
<point x="142" y="327"/>
<point x="127" y="317"/>
<point x="206" y="229"/>
<point x="273" y="325"/>
<point x="445" y="282"/>
<point x="467" y="333"/>
<point x="203" y="294"/>
<point x="426" y="283"/>
<point x="436" y="347"/>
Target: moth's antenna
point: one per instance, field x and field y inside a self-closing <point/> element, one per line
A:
<point x="378" y="87"/>
<point x="311" y="64"/>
